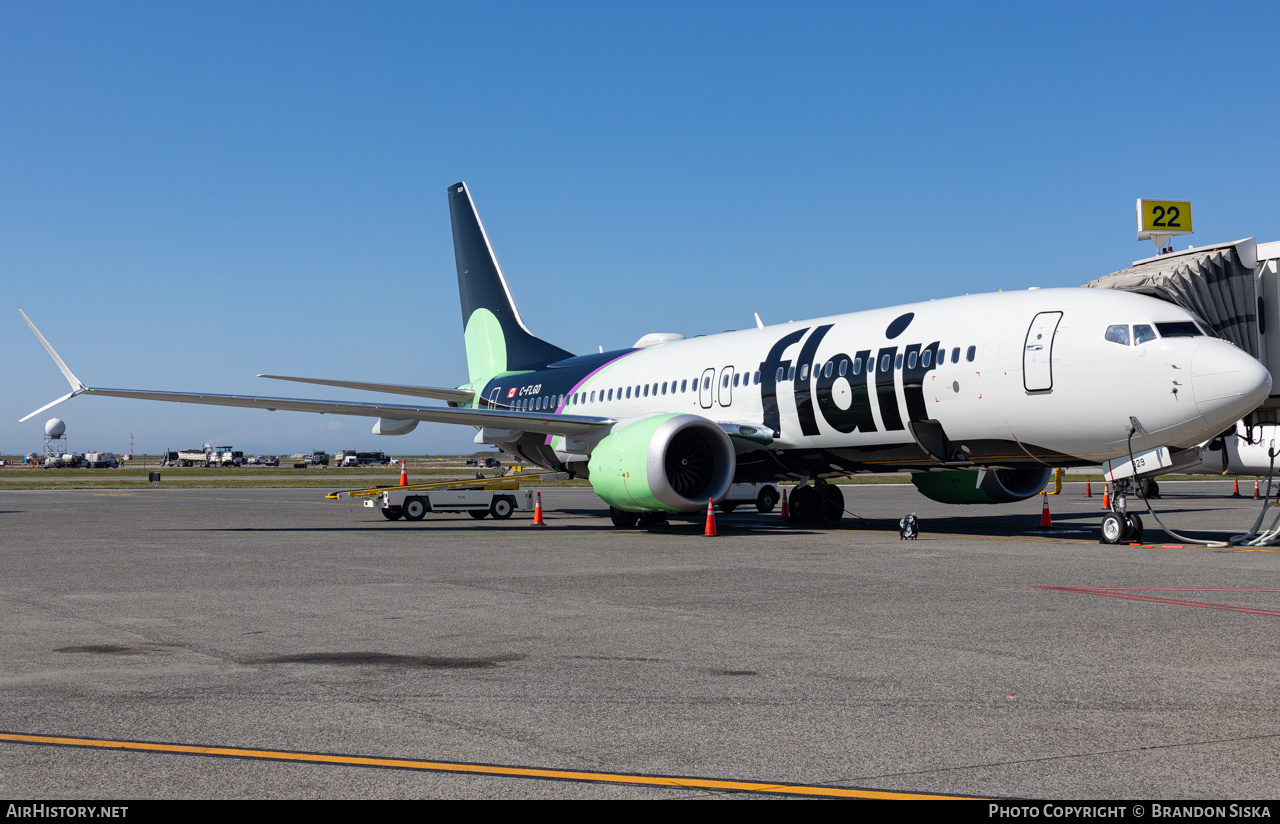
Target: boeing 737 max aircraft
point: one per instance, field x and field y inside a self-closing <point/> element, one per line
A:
<point x="977" y="396"/>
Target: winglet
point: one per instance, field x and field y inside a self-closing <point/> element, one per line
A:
<point x="76" y="385"/>
<point x="66" y="373"/>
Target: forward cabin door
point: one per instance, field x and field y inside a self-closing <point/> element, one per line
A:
<point x="1037" y="352"/>
<point x="726" y="386"/>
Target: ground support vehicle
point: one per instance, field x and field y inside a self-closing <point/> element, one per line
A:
<point x="479" y="497"/>
<point x="763" y="496"/>
<point x="225" y="456"/>
<point x="186" y="457"/>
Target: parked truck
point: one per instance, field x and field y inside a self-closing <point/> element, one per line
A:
<point x="763" y="496"/>
<point x="99" y="460"/>
<point x="225" y="456"/>
<point x="350" y="457"/>
<point x="479" y="498"/>
<point x="186" y="457"/>
<point x="67" y="460"/>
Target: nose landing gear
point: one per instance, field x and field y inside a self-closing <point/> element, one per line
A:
<point x="1118" y="526"/>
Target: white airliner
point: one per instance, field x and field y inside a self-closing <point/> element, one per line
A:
<point x="978" y="396"/>
<point x="1243" y="450"/>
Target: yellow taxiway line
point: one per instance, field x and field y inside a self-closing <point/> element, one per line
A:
<point x="673" y="782"/>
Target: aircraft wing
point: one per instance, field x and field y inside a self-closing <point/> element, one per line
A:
<point x="568" y="425"/>
<point x="437" y="392"/>
<point x="573" y="426"/>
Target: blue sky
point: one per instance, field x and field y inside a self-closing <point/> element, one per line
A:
<point x="192" y="193"/>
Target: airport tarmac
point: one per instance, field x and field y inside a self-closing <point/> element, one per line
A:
<point x="485" y="659"/>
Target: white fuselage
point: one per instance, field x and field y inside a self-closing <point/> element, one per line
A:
<point x="1035" y="384"/>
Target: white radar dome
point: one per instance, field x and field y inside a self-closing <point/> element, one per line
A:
<point x="55" y="427"/>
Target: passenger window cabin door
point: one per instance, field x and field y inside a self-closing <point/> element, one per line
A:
<point x="707" y="388"/>
<point x="726" y="386"/>
<point x="493" y="397"/>
<point x="1037" y="352"/>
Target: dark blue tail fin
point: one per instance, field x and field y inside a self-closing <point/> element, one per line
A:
<point x="497" y="339"/>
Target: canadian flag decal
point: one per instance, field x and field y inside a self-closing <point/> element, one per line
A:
<point x="512" y="392"/>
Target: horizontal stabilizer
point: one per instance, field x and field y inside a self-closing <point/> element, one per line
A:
<point x="438" y="393"/>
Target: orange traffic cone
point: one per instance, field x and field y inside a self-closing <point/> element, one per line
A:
<point x="1235" y="488"/>
<point x="711" y="519"/>
<point x="1106" y="496"/>
<point x="1044" y="513"/>
<point x="1088" y="490"/>
<point x="537" y="512"/>
<point x="1256" y="496"/>
<point x="786" y="511"/>
<point x="404" y="475"/>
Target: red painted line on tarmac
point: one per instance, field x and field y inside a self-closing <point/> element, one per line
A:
<point x="1176" y="589"/>
<point x="1123" y="593"/>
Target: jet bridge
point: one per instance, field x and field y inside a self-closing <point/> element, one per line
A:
<point x="1233" y="286"/>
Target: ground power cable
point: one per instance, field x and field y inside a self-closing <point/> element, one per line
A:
<point x="1250" y="538"/>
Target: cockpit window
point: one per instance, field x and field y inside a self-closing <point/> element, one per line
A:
<point x="1182" y="329"/>
<point x="1119" y="334"/>
<point x="1143" y="333"/>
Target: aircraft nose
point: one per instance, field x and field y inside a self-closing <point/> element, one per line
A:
<point x="1227" y="383"/>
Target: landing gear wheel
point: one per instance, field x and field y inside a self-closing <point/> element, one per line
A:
<point x="392" y="513"/>
<point x="478" y="514"/>
<point x="500" y="508"/>
<point x="1150" y="489"/>
<point x="804" y="504"/>
<point x="767" y="499"/>
<point x="727" y="508"/>
<point x="1135" y="527"/>
<point x="415" y="509"/>
<point x="623" y="519"/>
<point x="831" y="504"/>
<point x="1114" y="528"/>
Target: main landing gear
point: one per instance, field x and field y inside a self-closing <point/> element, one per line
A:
<point x="626" y="520"/>
<point x="1118" y="526"/>
<point x="819" y="502"/>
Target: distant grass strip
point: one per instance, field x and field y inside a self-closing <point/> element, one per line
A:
<point x="329" y="484"/>
<point x="333" y="480"/>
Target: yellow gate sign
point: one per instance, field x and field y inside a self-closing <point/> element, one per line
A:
<point x="1165" y="218"/>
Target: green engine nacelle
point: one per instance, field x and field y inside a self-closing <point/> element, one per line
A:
<point x="999" y="486"/>
<point x="672" y="463"/>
